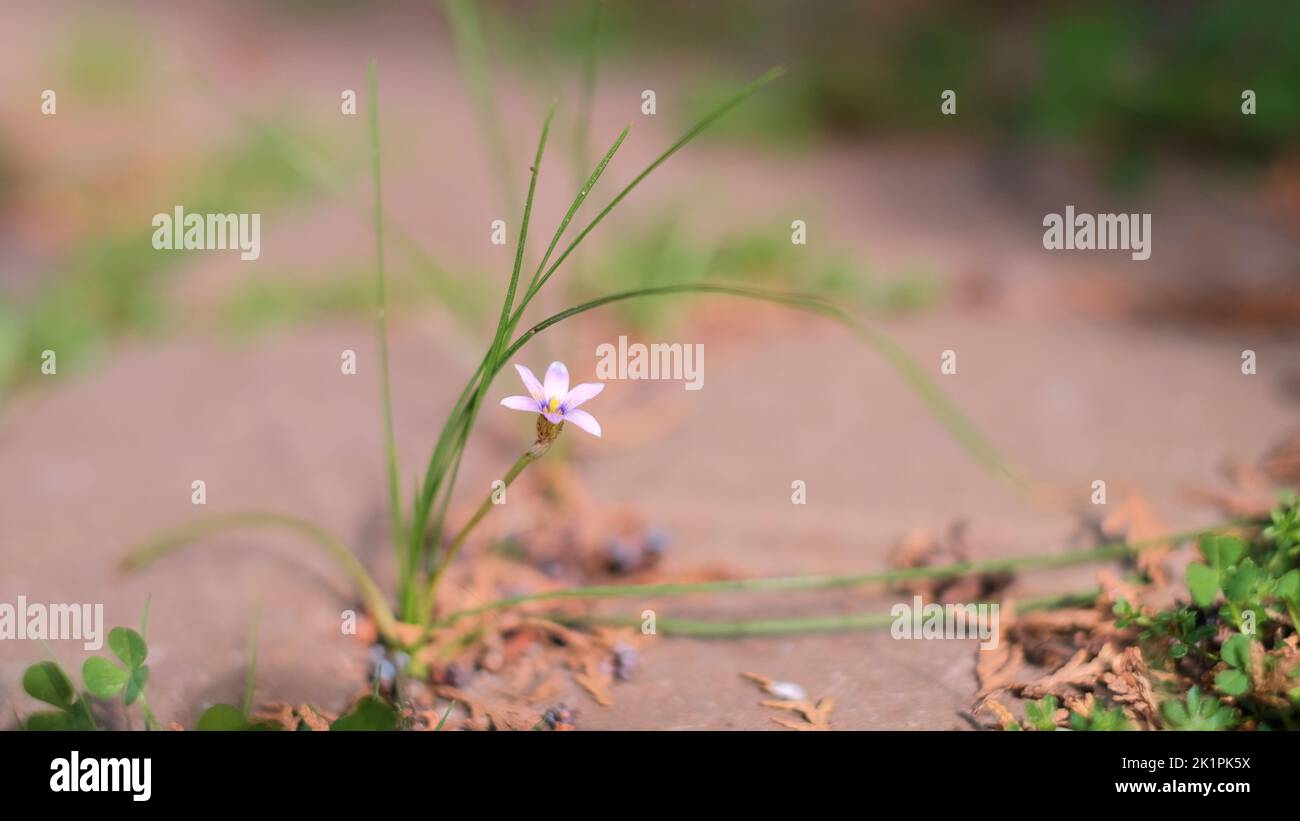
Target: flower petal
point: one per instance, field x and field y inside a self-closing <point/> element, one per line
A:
<point x="530" y="382"/>
<point x="553" y="418"/>
<point x="581" y="393"/>
<point x="557" y="381"/>
<point x="583" y="420"/>
<point x="521" y="403"/>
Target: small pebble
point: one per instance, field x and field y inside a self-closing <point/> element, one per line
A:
<point x="787" y="690"/>
<point x="492" y="661"/>
<point x="559" y="717"/>
<point x="656" y="544"/>
<point x="386" y="672"/>
<point x="620" y="557"/>
<point x="453" y="675"/>
<point x="625" y="661"/>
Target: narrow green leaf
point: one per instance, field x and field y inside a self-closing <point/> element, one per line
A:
<point x="250" y="668"/>
<point x="524" y="224"/>
<point x="471" y="50"/>
<point x="581" y="134"/>
<point x="962" y="430"/>
<point x="708" y="120"/>
<point x="136" y="684"/>
<point x="536" y="282"/>
<point x="446" y="715"/>
<point x="381" y="330"/>
<point x="144" y="616"/>
<point x="455" y="432"/>
<point x="187" y="534"/>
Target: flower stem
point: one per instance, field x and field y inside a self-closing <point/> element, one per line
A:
<point x="150" y="720"/>
<point x="449" y="555"/>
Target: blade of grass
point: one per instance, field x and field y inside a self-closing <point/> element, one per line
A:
<point x="144" y="618"/>
<point x="1105" y="552"/>
<point x="795" y="583"/>
<point x="381" y="330"/>
<point x="446" y="715"/>
<point x="250" y="666"/>
<point x="318" y="172"/>
<point x="692" y="133"/>
<point x="700" y="628"/>
<point x="587" y="92"/>
<point x="974" y="443"/>
<point x="433" y="478"/>
<point x="191" y="532"/>
<point x="456" y="431"/>
<point x="467" y="33"/>
<point x="523" y="234"/>
<point x="583" y="192"/>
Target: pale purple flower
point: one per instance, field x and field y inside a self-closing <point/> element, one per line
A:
<point x="554" y="400"/>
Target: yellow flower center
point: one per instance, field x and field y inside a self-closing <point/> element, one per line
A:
<point x="553" y="405"/>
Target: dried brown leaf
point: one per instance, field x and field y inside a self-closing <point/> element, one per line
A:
<point x="1130" y="684"/>
<point x="598" y="686"/>
<point x="816" y="716"/>
<point x="1079" y="672"/>
<point x="1004" y="717"/>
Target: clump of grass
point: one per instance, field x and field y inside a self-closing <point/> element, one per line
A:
<point x="418" y="531"/>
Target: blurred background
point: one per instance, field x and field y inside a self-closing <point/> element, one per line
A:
<point x="175" y="366"/>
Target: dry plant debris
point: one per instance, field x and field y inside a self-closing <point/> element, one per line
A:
<point x="1214" y="648"/>
<point x="791" y="698"/>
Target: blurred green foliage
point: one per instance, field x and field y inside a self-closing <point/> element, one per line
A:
<point x="280" y="300"/>
<point x="1114" y="76"/>
<point x="663" y="251"/>
<point x="111" y="284"/>
<point x="104" y="57"/>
